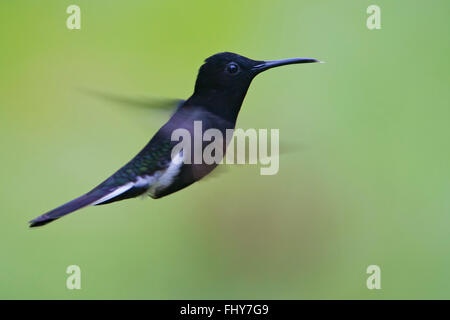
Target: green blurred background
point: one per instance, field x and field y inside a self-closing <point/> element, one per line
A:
<point x="368" y="184"/>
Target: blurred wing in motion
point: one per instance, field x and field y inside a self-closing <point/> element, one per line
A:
<point x="164" y="104"/>
<point x="285" y="149"/>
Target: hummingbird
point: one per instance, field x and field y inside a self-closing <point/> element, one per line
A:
<point x="220" y="88"/>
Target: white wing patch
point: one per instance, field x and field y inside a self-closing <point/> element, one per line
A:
<point x="165" y="179"/>
<point x="115" y="193"/>
<point x="158" y="181"/>
<point x="174" y="168"/>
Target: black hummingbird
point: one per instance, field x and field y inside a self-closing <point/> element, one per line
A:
<point x="220" y="88"/>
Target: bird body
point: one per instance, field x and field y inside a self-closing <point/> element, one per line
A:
<point x="220" y="89"/>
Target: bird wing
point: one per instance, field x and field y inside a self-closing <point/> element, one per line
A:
<point x="154" y="103"/>
<point x="152" y="170"/>
<point x="89" y="198"/>
<point x="132" y="180"/>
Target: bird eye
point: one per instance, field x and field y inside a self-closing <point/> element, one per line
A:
<point x="232" y="68"/>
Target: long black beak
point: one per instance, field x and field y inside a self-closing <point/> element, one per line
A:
<point x="265" y="65"/>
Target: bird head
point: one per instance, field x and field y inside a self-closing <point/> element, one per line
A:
<point x="230" y="73"/>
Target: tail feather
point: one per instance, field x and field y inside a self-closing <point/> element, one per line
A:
<point x="94" y="197"/>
